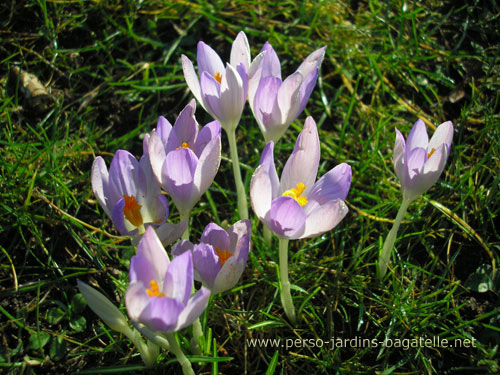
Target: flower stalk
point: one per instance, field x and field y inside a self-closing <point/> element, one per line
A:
<point x="240" y="188"/>
<point x="187" y="369"/>
<point x="385" y="254"/>
<point x="286" y="296"/>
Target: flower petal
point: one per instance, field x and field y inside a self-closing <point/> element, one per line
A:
<point x="142" y="270"/>
<point x="207" y="263"/>
<point x="192" y="79"/>
<point x="228" y="276"/>
<point x="302" y="165"/>
<point x="157" y="156"/>
<point x="240" y="51"/>
<point x="208" y="60"/>
<point x="207" y="167"/>
<point x="210" y="92"/>
<point x="418" y="137"/>
<point x="195" y="307"/>
<point x="185" y="128"/>
<point x="207" y="133"/>
<point x="261" y="192"/>
<point x="324" y="218"/>
<point x="271" y="65"/>
<point x="178" y="176"/>
<point x="168" y="233"/>
<point x="286" y="217"/>
<point x="181" y="247"/>
<point x="136" y="300"/>
<point x="216" y="236"/>
<point x="398" y="156"/>
<point x="178" y="281"/>
<point x="100" y="186"/>
<point x="125" y="175"/>
<point x="161" y="314"/>
<point x="333" y="185"/>
<point x="232" y="98"/>
<point x="152" y="249"/>
<point x="163" y="129"/>
<point x="306" y="89"/>
<point x="442" y="135"/>
<point x="289" y="99"/>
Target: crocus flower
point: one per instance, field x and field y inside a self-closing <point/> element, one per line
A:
<point x="131" y="196"/>
<point x="221" y="257"/>
<point x="222" y="91"/>
<point x="184" y="158"/>
<point x="276" y="103"/>
<point x="159" y="293"/>
<point x="296" y="206"/>
<point x="419" y="162"/>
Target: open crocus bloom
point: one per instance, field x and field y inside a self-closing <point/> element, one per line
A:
<point x="295" y="206"/>
<point x="131" y="196"/>
<point x="419" y="162"/>
<point x="184" y="158"/>
<point x="276" y="103"/>
<point x="221" y="257"/>
<point x="222" y="91"/>
<point x="159" y="293"/>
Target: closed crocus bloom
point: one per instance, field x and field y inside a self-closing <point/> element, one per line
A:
<point x="298" y="206"/>
<point x="184" y="158"/>
<point x="131" y="196"/>
<point x="159" y="293"/>
<point x="222" y="91"/>
<point x="419" y="162"/>
<point x="276" y="103"/>
<point x="221" y="257"/>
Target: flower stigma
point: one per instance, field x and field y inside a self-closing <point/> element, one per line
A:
<point x="154" y="291"/>
<point x="132" y="210"/>
<point x="296" y="192"/>
<point x="218" y="77"/>
<point x="184" y="145"/>
<point x="430" y="153"/>
<point x="223" y="255"/>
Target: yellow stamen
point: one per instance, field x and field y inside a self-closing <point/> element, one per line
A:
<point x="296" y="192"/>
<point x="223" y="255"/>
<point x="430" y="153"/>
<point x="132" y="210"/>
<point x="218" y="77"/>
<point x="154" y="291"/>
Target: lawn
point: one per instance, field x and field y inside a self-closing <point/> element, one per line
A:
<point x="82" y="79"/>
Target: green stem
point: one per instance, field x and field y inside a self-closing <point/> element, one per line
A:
<point x="286" y="296"/>
<point x="240" y="188"/>
<point x="385" y="254"/>
<point x="149" y="351"/>
<point x="197" y="337"/>
<point x="187" y="369"/>
<point x="185" y="216"/>
<point x="268" y="236"/>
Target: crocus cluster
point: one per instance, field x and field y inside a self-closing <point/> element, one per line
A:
<point x="183" y="159"/>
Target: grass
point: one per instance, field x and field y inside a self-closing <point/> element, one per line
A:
<point x="111" y="68"/>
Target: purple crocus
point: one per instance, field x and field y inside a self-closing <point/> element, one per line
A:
<point x="131" y="196"/>
<point x="276" y="103"/>
<point x="221" y="257"/>
<point x="419" y="162"/>
<point x="184" y="158"/>
<point x="159" y="293"/>
<point x="296" y="206"/>
<point x="222" y="91"/>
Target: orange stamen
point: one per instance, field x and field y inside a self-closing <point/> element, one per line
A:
<point x="154" y="291"/>
<point x="218" y="77"/>
<point x="430" y="153"/>
<point x="184" y="145"/>
<point x="132" y="210"/>
<point x="223" y="255"/>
